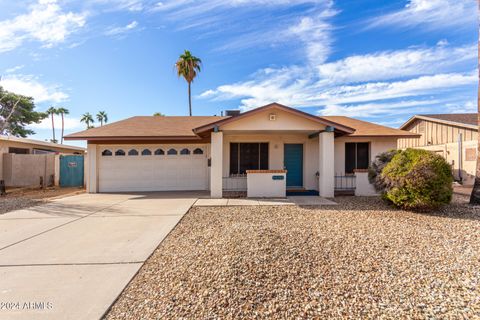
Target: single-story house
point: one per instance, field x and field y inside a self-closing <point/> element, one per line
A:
<point x="11" y="146"/>
<point x="221" y="153"/>
<point x="454" y="136"/>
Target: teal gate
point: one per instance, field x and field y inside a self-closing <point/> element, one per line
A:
<point x="71" y="171"/>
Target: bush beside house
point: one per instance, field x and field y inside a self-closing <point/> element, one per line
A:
<point x="413" y="179"/>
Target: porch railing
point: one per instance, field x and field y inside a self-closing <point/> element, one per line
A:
<point x="235" y="183"/>
<point x="345" y="182"/>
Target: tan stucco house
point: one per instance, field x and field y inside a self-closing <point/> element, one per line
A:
<point x="454" y="136"/>
<point x="264" y="151"/>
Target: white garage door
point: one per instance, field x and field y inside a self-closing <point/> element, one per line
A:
<point x="159" y="168"/>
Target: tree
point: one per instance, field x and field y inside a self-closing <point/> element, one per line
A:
<point x="475" y="196"/>
<point x="52" y="111"/>
<point x="158" y="114"/>
<point x="63" y="111"/>
<point x="16" y="113"/>
<point x="87" y="118"/>
<point x="187" y="67"/>
<point x="102" y="117"/>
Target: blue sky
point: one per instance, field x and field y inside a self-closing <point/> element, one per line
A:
<point x="381" y="61"/>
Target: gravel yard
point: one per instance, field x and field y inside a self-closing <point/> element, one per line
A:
<point x="360" y="259"/>
<point x="25" y="197"/>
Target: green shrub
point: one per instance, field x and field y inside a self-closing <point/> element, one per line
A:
<point x="417" y="179"/>
<point x="375" y="170"/>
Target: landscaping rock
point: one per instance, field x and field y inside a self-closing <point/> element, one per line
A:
<point x="360" y="259"/>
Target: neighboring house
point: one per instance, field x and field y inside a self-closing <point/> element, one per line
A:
<point x="454" y="136"/>
<point x="20" y="146"/>
<point x="214" y="153"/>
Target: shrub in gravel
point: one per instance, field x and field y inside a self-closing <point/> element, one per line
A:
<point x="375" y="170"/>
<point x="417" y="179"/>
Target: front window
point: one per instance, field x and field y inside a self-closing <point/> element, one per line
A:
<point x="248" y="156"/>
<point x="357" y="156"/>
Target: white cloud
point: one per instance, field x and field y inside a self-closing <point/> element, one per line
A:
<point x="70" y="124"/>
<point x="30" y="86"/>
<point x="115" y="31"/>
<point x="14" y="69"/>
<point x="46" y="23"/>
<point x="465" y="107"/>
<point x="395" y="64"/>
<point x="254" y="23"/>
<point x="376" y="109"/>
<point x="431" y="14"/>
<point x="315" y="33"/>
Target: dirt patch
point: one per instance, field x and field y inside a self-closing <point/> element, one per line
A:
<point x="21" y="198"/>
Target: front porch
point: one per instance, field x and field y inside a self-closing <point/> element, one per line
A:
<point x="306" y="159"/>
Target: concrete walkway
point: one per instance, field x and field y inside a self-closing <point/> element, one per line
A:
<point x="289" y="201"/>
<point x="71" y="258"/>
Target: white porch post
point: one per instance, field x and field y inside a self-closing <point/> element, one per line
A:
<point x="92" y="168"/>
<point x="326" y="183"/>
<point x="216" y="168"/>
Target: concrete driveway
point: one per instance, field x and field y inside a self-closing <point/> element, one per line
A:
<point x="71" y="258"/>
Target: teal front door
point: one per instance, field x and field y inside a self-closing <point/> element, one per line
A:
<point x="293" y="162"/>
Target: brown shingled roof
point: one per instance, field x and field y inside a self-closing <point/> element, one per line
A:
<point x="368" y="129"/>
<point x="465" y="118"/>
<point x="147" y="127"/>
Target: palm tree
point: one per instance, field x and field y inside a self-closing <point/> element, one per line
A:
<point x="52" y="111"/>
<point x="475" y="196"/>
<point x="63" y="112"/>
<point x="187" y="67"/>
<point x="88" y="119"/>
<point x="102" y="117"/>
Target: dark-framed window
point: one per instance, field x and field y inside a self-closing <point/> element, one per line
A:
<point x="146" y="152"/>
<point x="185" y="151"/>
<point x="172" y="152"/>
<point x="18" y="150"/>
<point x="357" y="156"/>
<point x="119" y="152"/>
<point x="198" y="151"/>
<point x="248" y="156"/>
<point x="133" y="152"/>
<point x="106" y="153"/>
<point x="159" y="152"/>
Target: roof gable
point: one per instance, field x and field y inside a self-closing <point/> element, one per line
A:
<point x="465" y="120"/>
<point x="272" y="107"/>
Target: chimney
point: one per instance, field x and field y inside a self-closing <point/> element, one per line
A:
<point x="232" y="113"/>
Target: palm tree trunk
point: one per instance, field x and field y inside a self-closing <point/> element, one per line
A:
<point x="53" y="129"/>
<point x="190" y="97"/>
<point x="475" y="196"/>
<point x="63" y="126"/>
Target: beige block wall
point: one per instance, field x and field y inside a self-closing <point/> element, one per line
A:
<point x="5" y="145"/>
<point x="24" y="170"/>
<point x="450" y="151"/>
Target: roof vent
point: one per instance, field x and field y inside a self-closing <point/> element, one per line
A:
<point x="232" y="113"/>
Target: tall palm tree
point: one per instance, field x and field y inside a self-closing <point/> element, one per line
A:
<point x="187" y="67"/>
<point x="63" y="111"/>
<point x="102" y="117"/>
<point x="88" y="119"/>
<point x="475" y="196"/>
<point x="52" y="112"/>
